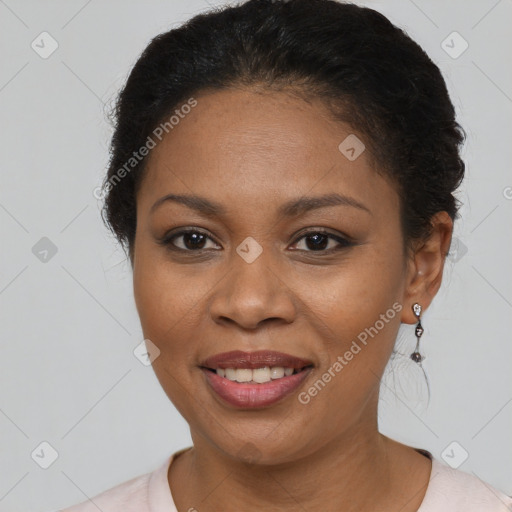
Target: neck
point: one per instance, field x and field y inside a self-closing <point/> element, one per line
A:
<point x="356" y="471"/>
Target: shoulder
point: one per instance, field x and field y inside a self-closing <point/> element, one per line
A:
<point x="127" y="496"/>
<point x="143" y="493"/>
<point x="455" y="490"/>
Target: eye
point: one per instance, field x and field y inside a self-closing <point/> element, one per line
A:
<point x="318" y="241"/>
<point x="192" y="240"/>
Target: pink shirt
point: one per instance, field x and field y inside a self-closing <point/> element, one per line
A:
<point x="449" y="490"/>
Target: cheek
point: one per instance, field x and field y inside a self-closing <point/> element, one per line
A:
<point x="165" y="302"/>
<point x="352" y="296"/>
<point x="357" y="312"/>
<point x="170" y="303"/>
<point x="164" y="294"/>
<point x="358" y="319"/>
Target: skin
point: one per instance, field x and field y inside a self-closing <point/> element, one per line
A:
<point x="252" y="150"/>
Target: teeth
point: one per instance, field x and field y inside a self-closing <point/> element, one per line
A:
<point x="261" y="375"/>
<point x="258" y="375"/>
<point x="243" y="374"/>
<point x="276" y="372"/>
<point x="230" y="374"/>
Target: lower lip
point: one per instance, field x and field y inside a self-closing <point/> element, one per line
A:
<point x="248" y="396"/>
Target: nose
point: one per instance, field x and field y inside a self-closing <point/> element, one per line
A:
<point x="252" y="294"/>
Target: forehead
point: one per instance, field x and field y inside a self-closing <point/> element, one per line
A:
<point x="252" y="147"/>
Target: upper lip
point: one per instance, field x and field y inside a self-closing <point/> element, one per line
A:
<point x="239" y="359"/>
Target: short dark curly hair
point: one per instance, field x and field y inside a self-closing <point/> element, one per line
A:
<point x="370" y="73"/>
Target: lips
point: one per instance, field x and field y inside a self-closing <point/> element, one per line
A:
<point x="225" y="375"/>
<point x="252" y="360"/>
<point x="250" y="396"/>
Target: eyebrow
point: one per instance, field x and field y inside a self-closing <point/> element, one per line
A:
<point x="292" y="208"/>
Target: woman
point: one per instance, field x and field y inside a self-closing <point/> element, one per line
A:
<point x="282" y="177"/>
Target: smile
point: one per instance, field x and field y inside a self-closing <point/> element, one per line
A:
<point x="252" y="391"/>
<point x="257" y="375"/>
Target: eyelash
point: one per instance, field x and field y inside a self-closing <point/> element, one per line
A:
<point x="167" y="241"/>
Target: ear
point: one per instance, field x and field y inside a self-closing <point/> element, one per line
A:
<point x="425" y="266"/>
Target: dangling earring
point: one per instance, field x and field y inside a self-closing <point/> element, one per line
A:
<point x="416" y="356"/>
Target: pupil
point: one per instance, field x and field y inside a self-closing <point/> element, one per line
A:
<point x="197" y="239"/>
<point x="317" y="244"/>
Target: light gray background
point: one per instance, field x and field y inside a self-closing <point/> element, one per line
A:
<point x="69" y="325"/>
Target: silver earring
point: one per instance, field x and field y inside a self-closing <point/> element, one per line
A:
<point x="416" y="356"/>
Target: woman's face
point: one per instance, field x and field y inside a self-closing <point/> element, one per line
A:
<point x="250" y="279"/>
